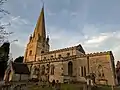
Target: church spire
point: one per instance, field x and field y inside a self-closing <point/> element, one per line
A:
<point x="40" y="26"/>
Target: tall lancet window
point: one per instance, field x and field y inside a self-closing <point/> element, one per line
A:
<point x="30" y="53"/>
<point x="70" y="68"/>
<point x="36" y="70"/>
<point x="52" y="69"/>
<point x="42" y="70"/>
<point x="100" y="71"/>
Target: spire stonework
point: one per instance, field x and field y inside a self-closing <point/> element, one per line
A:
<point x="40" y="27"/>
<point x="38" y="43"/>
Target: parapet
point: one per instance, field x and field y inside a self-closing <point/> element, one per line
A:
<point x="99" y="53"/>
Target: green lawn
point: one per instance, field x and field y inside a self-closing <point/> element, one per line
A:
<point x="63" y="87"/>
<point x="40" y="88"/>
<point x="71" y="87"/>
<point x="105" y="88"/>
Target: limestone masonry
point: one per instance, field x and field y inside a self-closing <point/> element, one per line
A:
<point x="67" y="64"/>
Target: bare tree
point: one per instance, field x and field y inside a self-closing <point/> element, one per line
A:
<point x="3" y="33"/>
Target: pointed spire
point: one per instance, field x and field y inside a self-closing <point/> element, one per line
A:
<point x="40" y="26"/>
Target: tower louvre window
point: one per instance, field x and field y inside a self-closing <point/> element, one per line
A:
<point x="30" y="53"/>
<point x="42" y="51"/>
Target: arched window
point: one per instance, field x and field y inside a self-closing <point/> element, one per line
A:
<point x="52" y="69"/>
<point x="30" y="53"/>
<point x="100" y="71"/>
<point x="42" y="70"/>
<point x="35" y="70"/>
<point x="47" y="68"/>
<point x="82" y="74"/>
<point x="70" y="68"/>
<point x="84" y="71"/>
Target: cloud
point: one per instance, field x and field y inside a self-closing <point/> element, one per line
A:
<point x="60" y="38"/>
<point x="69" y="24"/>
<point x="92" y="39"/>
<point x="98" y="39"/>
<point x="50" y="13"/>
<point x="73" y="13"/>
<point x="22" y="29"/>
<point x="17" y="50"/>
<point x="104" y="42"/>
<point x="18" y="20"/>
<point x="15" y="18"/>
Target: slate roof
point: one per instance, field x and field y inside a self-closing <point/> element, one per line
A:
<point x="20" y="68"/>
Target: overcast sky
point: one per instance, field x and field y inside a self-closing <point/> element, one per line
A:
<point x="93" y="23"/>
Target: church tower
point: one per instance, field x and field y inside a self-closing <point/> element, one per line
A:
<point x="38" y="43"/>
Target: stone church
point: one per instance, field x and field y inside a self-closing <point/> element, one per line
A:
<point x="66" y="64"/>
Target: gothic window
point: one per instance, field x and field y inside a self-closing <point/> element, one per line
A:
<point x="84" y="71"/>
<point x="47" y="68"/>
<point x="42" y="70"/>
<point x="100" y="71"/>
<point x="70" y="68"/>
<point x="30" y="53"/>
<point x="82" y="74"/>
<point x="52" y="69"/>
<point x="35" y="71"/>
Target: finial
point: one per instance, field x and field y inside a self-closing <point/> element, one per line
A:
<point x="42" y="3"/>
<point x="30" y="37"/>
<point x="47" y="38"/>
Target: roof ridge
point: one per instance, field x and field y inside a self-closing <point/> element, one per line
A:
<point x="62" y="49"/>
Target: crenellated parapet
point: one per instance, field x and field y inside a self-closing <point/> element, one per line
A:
<point x="99" y="53"/>
<point x="61" y="59"/>
<point x="95" y="54"/>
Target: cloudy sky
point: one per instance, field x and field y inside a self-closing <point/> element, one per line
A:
<point x="93" y="23"/>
